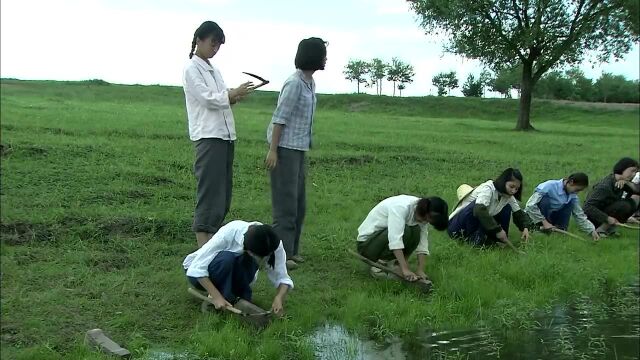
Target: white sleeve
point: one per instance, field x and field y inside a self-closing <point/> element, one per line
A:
<point x="532" y="208"/>
<point x="514" y="204"/>
<point x="278" y="275"/>
<point x="219" y="242"/>
<point x="483" y="195"/>
<point x="423" y="245"/>
<point x="195" y="85"/>
<point x="581" y="219"/>
<point x="395" y="229"/>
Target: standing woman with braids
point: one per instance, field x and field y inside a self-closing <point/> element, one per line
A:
<point x="211" y="128"/>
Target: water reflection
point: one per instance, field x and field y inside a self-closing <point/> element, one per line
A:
<point x="583" y="330"/>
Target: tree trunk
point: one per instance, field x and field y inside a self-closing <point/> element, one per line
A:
<point x="380" y="80"/>
<point x="358" y="87"/>
<point x="394" y="88"/>
<point x="526" y="88"/>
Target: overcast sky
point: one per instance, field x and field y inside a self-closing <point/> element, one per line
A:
<point x="147" y="41"/>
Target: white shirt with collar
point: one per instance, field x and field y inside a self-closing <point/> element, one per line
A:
<point x="486" y="194"/>
<point x="207" y="100"/>
<point x="231" y="238"/>
<point x="393" y="214"/>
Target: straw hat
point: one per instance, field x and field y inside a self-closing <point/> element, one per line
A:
<point x="463" y="191"/>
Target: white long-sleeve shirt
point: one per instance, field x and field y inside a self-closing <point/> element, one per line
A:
<point x="231" y="238"/>
<point x="207" y="100"/>
<point x="487" y="195"/>
<point x="393" y="214"/>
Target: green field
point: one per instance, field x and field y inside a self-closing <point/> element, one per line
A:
<point x="97" y="198"/>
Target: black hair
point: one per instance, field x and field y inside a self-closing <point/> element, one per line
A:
<point x="580" y="179"/>
<point x="311" y="54"/>
<point x="623" y="164"/>
<point x="262" y="241"/>
<point x="206" y="29"/>
<point x="508" y="175"/>
<point x="437" y="209"/>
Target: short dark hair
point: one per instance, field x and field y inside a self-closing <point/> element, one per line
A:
<point x="206" y="29"/>
<point x="437" y="209"/>
<point x="580" y="179"/>
<point x="262" y="241"/>
<point x="623" y="164"/>
<point x="508" y="175"/>
<point x="311" y="54"/>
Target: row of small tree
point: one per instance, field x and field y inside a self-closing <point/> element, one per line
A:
<point x="571" y="84"/>
<point x="374" y="72"/>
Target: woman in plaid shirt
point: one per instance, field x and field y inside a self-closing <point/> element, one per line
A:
<point x="606" y="206"/>
<point x="289" y="137"/>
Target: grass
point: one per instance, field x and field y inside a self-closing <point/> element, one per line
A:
<point x="97" y="199"/>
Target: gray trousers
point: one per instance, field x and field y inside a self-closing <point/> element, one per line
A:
<point x="288" y="198"/>
<point x="213" y="169"/>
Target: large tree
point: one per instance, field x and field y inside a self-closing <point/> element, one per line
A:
<point x="538" y="34"/>
<point x="356" y="70"/>
<point x="399" y="72"/>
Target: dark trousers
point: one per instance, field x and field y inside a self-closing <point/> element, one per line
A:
<point x="621" y="210"/>
<point x="213" y="169"/>
<point x="465" y="226"/>
<point x="377" y="247"/>
<point x="558" y="218"/>
<point x="288" y="198"/>
<point x="231" y="274"/>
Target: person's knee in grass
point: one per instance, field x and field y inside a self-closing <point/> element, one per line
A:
<point x="227" y="265"/>
<point x="397" y="227"/>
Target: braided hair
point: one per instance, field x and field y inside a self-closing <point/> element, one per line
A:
<point x="205" y="30"/>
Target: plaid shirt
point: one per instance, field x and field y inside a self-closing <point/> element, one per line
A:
<point x="603" y="194"/>
<point x="295" y="110"/>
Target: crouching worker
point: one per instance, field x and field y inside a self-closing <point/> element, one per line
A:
<point x="397" y="227"/>
<point x="554" y="201"/>
<point x="483" y="214"/>
<point x="228" y="264"/>
<point x="614" y="199"/>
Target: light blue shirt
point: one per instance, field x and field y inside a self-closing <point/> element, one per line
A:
<point x="555" y="192"/>
<point x="295" y="110"/>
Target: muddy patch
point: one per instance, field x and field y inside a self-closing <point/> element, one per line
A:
<point x="33" y="150"/>
<point x="120" y="197"/>
<point x="343" y="161"/>
<point x="179" y="166"/>
<point x="135" y="227"/>
<point x="5" y="149"/>
<point x="21" y="233"/>
<point x="12" y="335"/>
<point x="155" y="180"/>
<point x="108" y="262"/>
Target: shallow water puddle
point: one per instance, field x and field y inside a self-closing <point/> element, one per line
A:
<point x="579" y="331"/>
